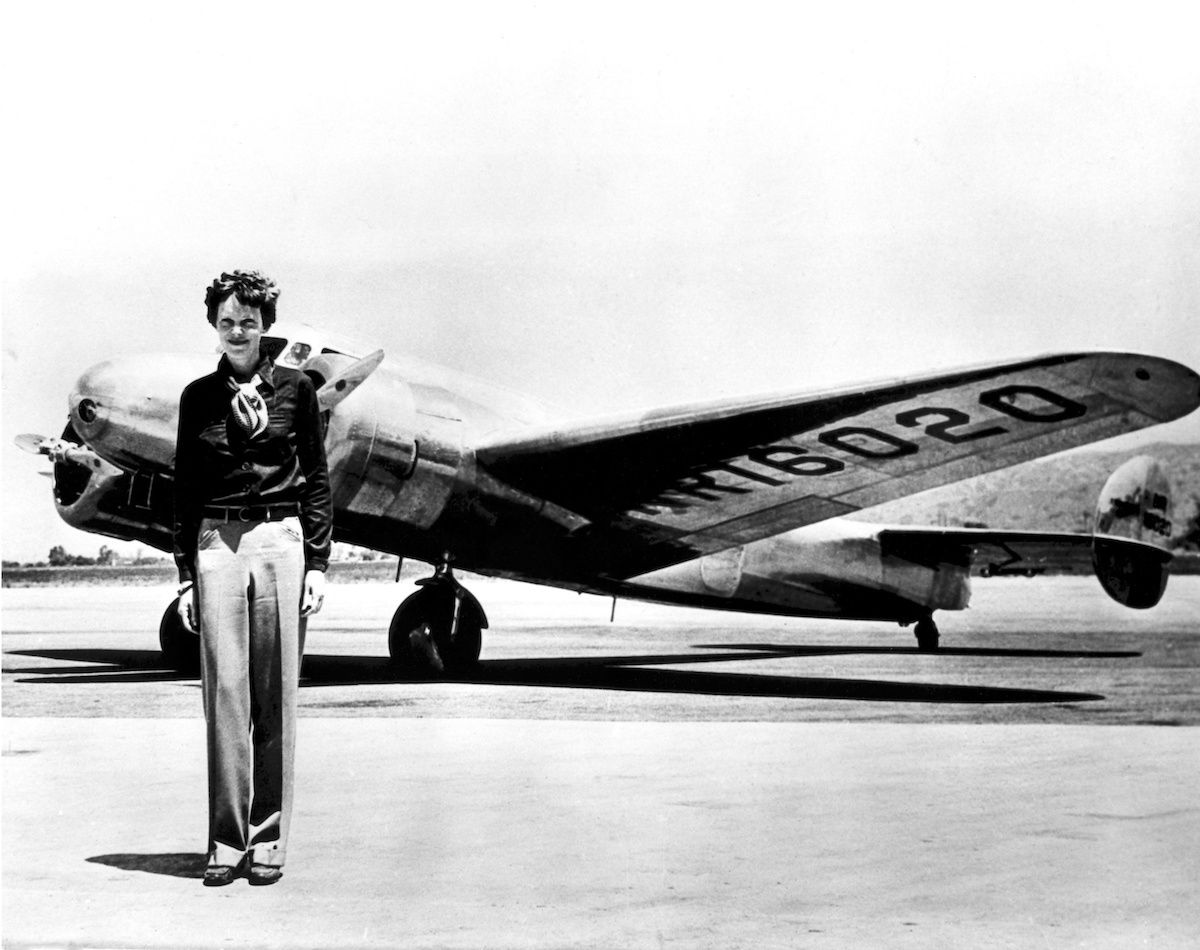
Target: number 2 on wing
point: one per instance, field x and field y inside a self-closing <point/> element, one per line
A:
<point x="951" y="418"/>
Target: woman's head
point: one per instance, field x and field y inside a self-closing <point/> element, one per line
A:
<point x="250" y="287"/>
<point x="241" y="307"/>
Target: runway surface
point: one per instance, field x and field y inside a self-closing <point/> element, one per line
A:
<point x="676" y="778"/>
<point x="1053" y="650"/>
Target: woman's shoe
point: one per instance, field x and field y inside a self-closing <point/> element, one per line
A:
<point x="261" y="875"/>
<point x="217" y="875"/>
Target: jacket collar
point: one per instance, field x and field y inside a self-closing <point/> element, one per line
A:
<point x="265" y="370"/>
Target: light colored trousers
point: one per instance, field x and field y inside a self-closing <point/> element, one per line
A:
<point x="250" y="578"/>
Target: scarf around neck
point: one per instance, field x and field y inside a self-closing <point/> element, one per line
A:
<point x="249" y="407"/>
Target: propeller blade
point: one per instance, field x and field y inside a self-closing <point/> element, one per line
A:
<point x="60" y="450"/>
<point x="82" y="455"/>
<point x="345" y="382"/>
<point x="33" y="443"/>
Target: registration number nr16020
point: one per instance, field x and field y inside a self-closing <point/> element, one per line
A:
<point x="777" y="464"/>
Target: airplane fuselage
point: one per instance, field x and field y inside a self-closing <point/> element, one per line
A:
<point x="405" y="481"/>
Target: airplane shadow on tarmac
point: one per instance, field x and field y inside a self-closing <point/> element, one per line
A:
<point x="631" y="673"/>
<point x="109" y="666"/>
<point x="180" y="864"/>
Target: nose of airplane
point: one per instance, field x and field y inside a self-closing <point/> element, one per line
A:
<point x="127" y="409"/>
<point x="92" y="399"/>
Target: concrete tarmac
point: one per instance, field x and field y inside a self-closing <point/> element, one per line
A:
<point x="618" y="805"/>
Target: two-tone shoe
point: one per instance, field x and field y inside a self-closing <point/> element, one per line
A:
<point x="218" y="875"/>
<point x="260" y="875"/>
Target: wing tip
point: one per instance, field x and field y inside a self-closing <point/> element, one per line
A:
<point x="1162" y="388"/>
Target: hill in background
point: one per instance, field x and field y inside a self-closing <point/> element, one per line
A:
<point x="1054" y="494"/>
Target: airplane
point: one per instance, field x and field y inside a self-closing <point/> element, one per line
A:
<point x="736" y="504"/>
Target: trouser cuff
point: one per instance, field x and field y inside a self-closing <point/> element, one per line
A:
<point x="271" y="857"/>
<point x="225" y="856"/>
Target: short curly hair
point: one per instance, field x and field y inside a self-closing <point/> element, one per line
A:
<point x="252" y="288"/>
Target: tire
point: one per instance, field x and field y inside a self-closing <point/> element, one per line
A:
<point x="419" y="635"/>
<point x="927" y="634"/>
<point x="180" y="647"/>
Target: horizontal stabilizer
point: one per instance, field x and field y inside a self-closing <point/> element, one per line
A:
<point x="990" y="552"/>
<point x="1127" y="553"/>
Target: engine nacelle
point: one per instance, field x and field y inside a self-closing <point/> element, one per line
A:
<point x="130" y="507"/>
<point x="1135" y="505"/>
<point x="395" y="450"/>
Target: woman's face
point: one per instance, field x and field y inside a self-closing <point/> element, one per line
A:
<point x="240" y="330"/>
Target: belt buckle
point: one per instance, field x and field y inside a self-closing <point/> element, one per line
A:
<point x="242" y="513"/>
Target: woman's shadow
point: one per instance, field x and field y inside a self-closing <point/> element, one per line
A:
<point x="182" y="864"/>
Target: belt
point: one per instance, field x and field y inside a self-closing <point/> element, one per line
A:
<point x="252" y="512"/>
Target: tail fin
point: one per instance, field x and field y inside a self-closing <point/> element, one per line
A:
<point x="1134" y="505"/>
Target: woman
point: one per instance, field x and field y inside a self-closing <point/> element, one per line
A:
<point x="253" y="523"/>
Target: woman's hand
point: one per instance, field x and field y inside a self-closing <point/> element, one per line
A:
<point x="189" y="607"/>
<point x="314" y="593"/>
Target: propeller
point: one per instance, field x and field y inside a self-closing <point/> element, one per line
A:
<point x="34" y="444"/>
<point x="60" y="450"/>
<point x="345" y="382"/>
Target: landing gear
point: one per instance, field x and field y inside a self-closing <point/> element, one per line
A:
<point x="437" y="630"/>
<point x="180" y="647"/>
<point x="927" y="634"/>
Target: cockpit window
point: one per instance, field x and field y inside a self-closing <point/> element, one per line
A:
<point x="272" y="346"/>
<point x="297" y="354"/>
<point x="277" y="348"/>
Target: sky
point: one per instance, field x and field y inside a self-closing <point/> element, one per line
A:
<point x="606" y="206"/>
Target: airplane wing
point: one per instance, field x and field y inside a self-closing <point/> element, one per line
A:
<point x="661" y="487"/>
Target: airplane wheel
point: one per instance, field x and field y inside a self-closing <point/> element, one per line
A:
<point x="180" y="647"/>
<point x="927" y="634"/>
<point x="419" y="635"/>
